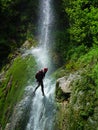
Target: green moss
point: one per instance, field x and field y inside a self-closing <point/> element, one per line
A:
<point x="60" y="72"/>
<point x="20" y="74"/>
<point x="81" y="113"/>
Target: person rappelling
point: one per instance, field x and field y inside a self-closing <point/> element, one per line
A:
<point x="39" y="77"/>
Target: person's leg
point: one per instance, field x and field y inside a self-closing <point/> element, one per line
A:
<point x="37" y="87"/>
<point x="42" y="88"/>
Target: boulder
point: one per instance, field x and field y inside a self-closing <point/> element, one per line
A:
<point x="64" y="84"/>
<point x="27" y="45"/>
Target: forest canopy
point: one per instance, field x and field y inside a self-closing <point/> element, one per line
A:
<point x="79" y="22"/>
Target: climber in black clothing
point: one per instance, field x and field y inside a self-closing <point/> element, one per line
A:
<point x="40" y="76"/>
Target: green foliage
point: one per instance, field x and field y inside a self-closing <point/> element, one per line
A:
<point x="79" y="19"/>
<point x="77" y="46"/>
<point x="59" y="72"/>
<point x="83" y="21"/>
<point x="95" y="77"/>
<point x="20" y="74"/>
<point x="60" y="47"/>
<point x="83" y="89"/>
<point x="60" y="117"/>
<point x="76" y="52"/>
<point x="17" y="18"/>
<point x="83" y="105"/>
<point x="89" y="59"/>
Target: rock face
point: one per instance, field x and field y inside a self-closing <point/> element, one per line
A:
<point x="80" y="109"/>
<point x="27" y="45"/>
<point x="13" y="81"/>
<point x="63" y="85"/>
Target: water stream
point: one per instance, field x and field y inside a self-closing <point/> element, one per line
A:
<point x="37" y="112"/>
<point x="42" y="108"/>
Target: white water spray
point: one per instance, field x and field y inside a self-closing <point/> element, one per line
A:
<point x="45" y="23"/>
<point x="39" y="109"/>
<point x="42" y="109"/>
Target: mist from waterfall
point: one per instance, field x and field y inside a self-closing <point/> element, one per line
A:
<point x="44" y="34"/>
<point x="42" y="108"/>
<point x="45" y="23"/>
<point x="37" y="112"/>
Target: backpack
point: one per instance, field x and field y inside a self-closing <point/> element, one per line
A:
<point x="39" y="75"/>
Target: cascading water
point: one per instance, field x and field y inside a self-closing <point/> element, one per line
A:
<point x="37" y="113"/>
<point x="45" y="23"/>
<point x="42" y="108"/>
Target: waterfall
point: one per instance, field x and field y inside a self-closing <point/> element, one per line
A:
<point x="45" y="23"/>
<point x="45" y="26"/>
<point x="42" y="108"/>
<point x="37" y="112"/>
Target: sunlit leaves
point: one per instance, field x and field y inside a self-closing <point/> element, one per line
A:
<point x="83" y="18"/>
<point x="5" y="3"/>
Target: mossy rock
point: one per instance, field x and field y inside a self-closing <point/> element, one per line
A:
<point x="20" y="73"/>
<point x="81" y="112"/>
<point x="60" y="94"/>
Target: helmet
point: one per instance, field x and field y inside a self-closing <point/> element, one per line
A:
<point x="45" y="69"/>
